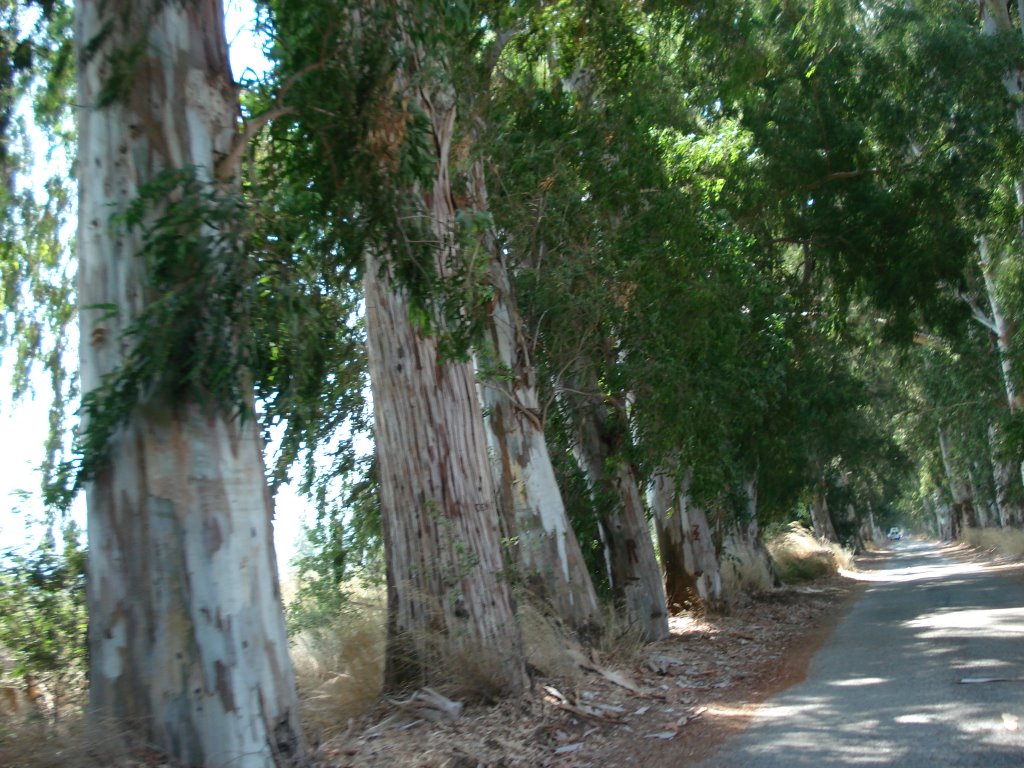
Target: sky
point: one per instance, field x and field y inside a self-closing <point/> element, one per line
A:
<point x="23" y="425"/>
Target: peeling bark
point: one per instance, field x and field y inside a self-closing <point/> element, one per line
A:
<point x="1004" y="475"/>
<point x="451" y="613"/>
<point x="962" y="512"/>
<point x="745" y="539"/>
<point x="544" y="546"/>
<point x="187" y="643"/>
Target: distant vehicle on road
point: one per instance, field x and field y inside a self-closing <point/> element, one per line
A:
<point x="895" y="534"/>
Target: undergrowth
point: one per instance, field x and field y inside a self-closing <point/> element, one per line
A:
<point x="800" y="556"/>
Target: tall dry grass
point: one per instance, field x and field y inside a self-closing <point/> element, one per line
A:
<point x="1004" y="541"/>
<point x="800" y="556"/>
<point x="339" y="668"/>
<point x="28" y="740"/>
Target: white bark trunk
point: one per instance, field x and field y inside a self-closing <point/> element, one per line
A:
<point x="959" y="490"/>
<point x="688" y="553"/>
<point x="997" y="21"/>
<point x="187" y="641"/>
<point x="869" y="532"/>
<point x="1004" y="477"/>
<point x="545" y="547"/>
<point x="745" y="543"/>
<point x="1002" y="328"/>
<point x="451" y="614"/>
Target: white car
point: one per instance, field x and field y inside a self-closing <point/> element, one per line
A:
<point x="895" y="534"/>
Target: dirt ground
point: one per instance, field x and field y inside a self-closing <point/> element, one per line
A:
<point x="665" y="704"/>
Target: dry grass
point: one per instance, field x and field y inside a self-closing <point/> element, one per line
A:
<point x="1004" y="541"/>
<point x="546" y="643"/>
<point x="31" y="741"/>
<point x="339" y="669"/>
<point x="800" y="556"/>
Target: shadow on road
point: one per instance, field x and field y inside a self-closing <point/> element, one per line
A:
<point x="889" y="688"/>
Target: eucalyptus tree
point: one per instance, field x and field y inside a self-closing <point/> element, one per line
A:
<point x="187" y="643"/>
<point x="374" y="145"/>
<point x="577" y="159"/>
<point x="544" y="547"/>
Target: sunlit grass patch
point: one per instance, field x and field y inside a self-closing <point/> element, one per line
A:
<point x="800" y="556"/>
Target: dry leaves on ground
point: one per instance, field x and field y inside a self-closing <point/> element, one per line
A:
<point x="666" y="705"/>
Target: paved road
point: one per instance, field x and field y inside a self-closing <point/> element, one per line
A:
<point x="886" y="689"/>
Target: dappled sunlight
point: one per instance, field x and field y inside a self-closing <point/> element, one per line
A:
<point x="858" y="681"/>
<point x="991" y="622"/>
<point x="922" y="672"/>
<point x="917" y="718"/>
<point x="940" y="570"/>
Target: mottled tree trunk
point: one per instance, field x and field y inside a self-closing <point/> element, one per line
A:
<point x="688" y="554"/>
<point x="869" y="533"/>
<point x="745" y="542"/>
<point x="451" y="614"/>
<point x="629" y="552"/>
<point x="676" y="555"/>
<point x="187" y="643"/>
<point x="544" y="546"/>
<point x="997" y="21"/>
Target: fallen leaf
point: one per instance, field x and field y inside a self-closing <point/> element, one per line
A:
<point x="564" y="750"/>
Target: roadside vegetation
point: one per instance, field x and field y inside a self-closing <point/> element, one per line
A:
<point x="583" y="328"/>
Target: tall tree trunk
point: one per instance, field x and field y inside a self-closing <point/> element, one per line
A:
<point x="545" y="548"/>
<point x="685" y="542"/>
<point x="997" y="21"/>
<point x="962" y="511"/>
<point x="1001" y="326"/>
<point x="451" y="613"/>
<point x="187" y="643"/>
<point x="745" y="542"/>
<point x="676" y="554"/>
<point x="629" y="552"/>
<point x="1004" y="477"/>
<point x="869" y="533"/>
<point x="821" y="516"/>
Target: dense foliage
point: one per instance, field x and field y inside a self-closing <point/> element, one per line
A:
<point x="766" y="241"/>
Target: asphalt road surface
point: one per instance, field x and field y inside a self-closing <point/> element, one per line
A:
<point x="906" y="679"/>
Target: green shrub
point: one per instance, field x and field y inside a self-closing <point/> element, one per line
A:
<point x="43" y="621"/>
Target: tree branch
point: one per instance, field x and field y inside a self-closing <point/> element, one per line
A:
<point x="978" y="313"/>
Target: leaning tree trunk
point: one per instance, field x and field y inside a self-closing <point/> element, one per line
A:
<point x="545" y="548"/>
<point x="997" y="21"/>
<point x="451" y="613"/>
<point x="187" y="643"/>
<point x="676" y="553"/>
<point x="629" y="552"/>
